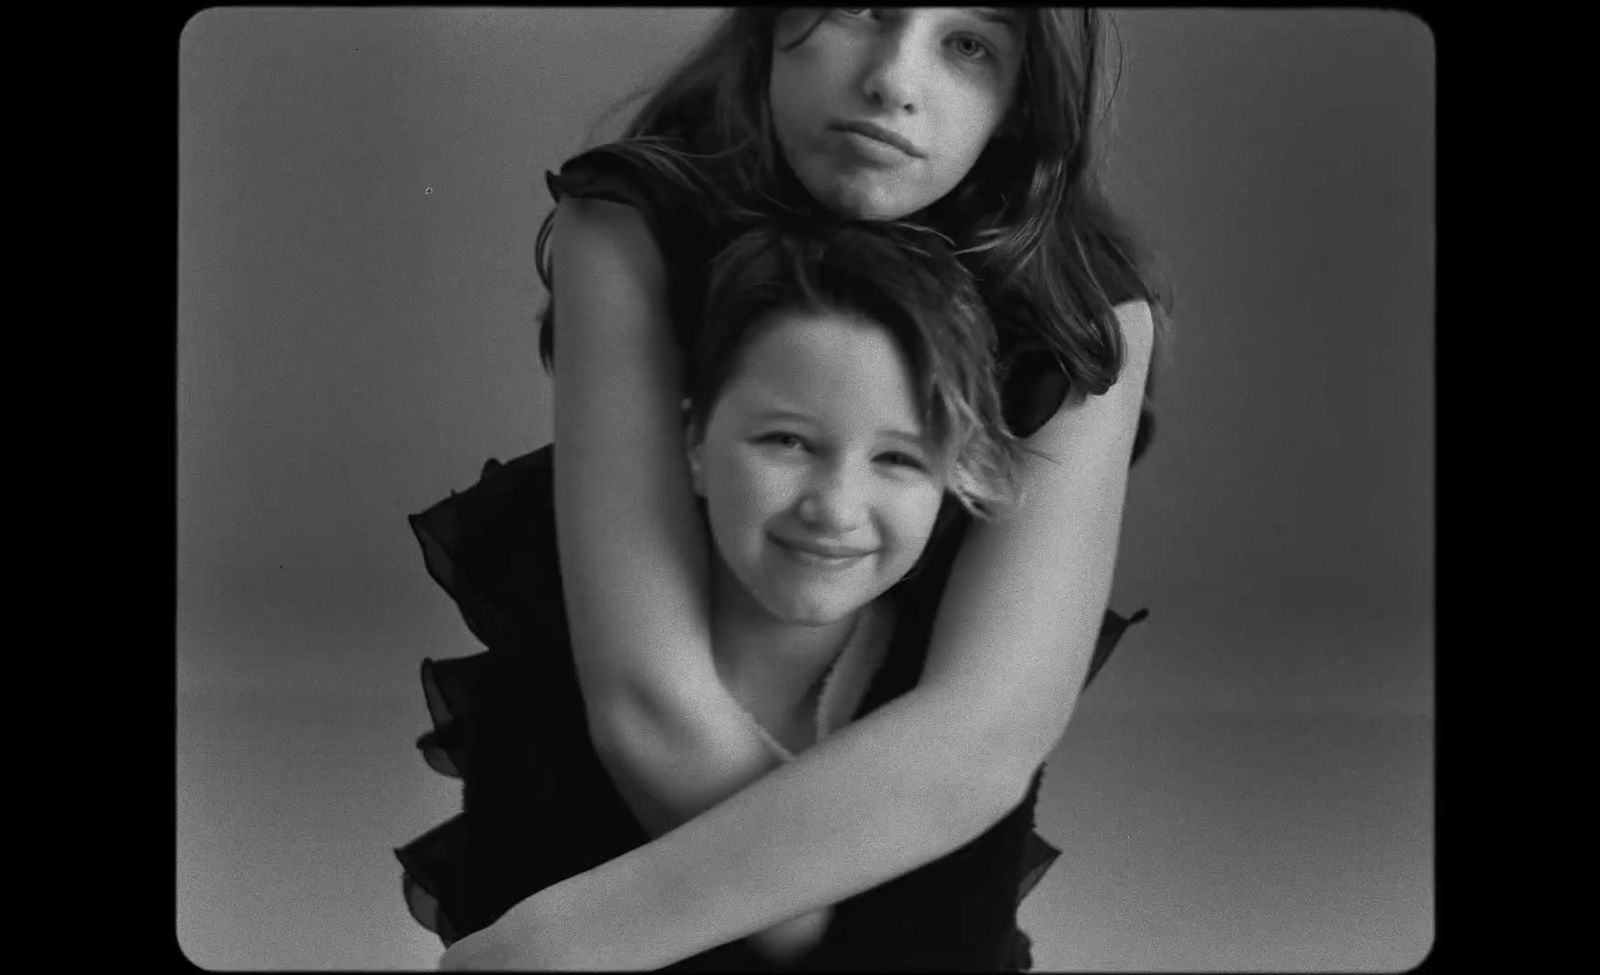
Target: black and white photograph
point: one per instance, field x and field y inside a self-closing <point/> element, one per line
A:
<point x="805" y="489"/>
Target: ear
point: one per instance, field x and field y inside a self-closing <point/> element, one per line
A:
<point x="696" y="474"/>
<point x="694" y="447"/>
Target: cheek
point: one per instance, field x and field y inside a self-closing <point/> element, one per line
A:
<point x="913" y="521"/>
<point x="781" y="101"/>
<point x="811" y="81"/>
<point x="794" y="78"/>
<point x="745" y="493"/>
<point x="976" y="119"/>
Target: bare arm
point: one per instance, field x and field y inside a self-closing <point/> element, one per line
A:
<point x="926" y="773"/>
<point x="634" y="556"/>
<point x="632" y="548"/>
<point x="1027" y="594"/>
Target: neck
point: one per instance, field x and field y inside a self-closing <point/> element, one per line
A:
<point x="771" y="667"/>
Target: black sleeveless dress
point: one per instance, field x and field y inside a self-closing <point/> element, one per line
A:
<point x="538" y="806"/>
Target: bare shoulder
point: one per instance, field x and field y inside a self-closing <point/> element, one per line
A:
<point x="593" y="232"/>
<point x="1101" y="427"/>
<point x="609" y="281"/>
<point x="584" y="211"/>
<point x="1138" y="330"/>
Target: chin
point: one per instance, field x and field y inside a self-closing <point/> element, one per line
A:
<point x="865" y="199"/>
<point x="870" y="204"/>
<point x="815" y="616"/>
<point x="811" y="612"/>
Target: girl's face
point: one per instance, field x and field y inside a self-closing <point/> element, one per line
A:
<point x="935" y="82"/>
<point x="819" y="488"/>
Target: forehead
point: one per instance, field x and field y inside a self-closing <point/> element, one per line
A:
<point x="1006" y="17"/>
<point x="1007" y="20"/>
<point x="824" y="359"/>
<point x="794" y="345"/>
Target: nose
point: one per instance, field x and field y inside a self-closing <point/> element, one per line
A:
<point x="834" y="502"/>
<point x="894" y="75"/>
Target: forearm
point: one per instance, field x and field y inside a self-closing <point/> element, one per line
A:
<point x="890" y="792"/>
<point x="669" y="770"/>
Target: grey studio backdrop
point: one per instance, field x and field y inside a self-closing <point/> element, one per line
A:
<point x="1248" y="786"/>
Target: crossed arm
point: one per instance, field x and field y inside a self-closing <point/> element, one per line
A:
<point x="745" y="844"/>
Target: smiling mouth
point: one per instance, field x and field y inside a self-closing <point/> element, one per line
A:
<point x="811" y="555"/>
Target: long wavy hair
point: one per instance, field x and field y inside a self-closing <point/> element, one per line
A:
<point x="1031" y="219"/>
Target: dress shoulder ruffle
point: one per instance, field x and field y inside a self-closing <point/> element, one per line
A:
<point x="492" y="549"/>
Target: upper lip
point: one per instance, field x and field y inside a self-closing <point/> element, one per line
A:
<point x="824" y="550"/>
<point x="876" y="131"/>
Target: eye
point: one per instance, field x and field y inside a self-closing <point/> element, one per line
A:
<point x="784" y="439"/>
<point x="972" y="47"/>
<point x="900" y="458"/>
<point x="858" y="15"/>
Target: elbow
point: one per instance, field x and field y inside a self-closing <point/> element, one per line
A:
<point x="1000" y="788"/>
<point x="1013" y="762"/>
<point x="1015" y="729"/>
<point x="631" y="727"/>
<point x="679" y="751"/>
<point x="982" y="778"/>
<point x="995" y="762"/>
<point x="975" y="802"/>
<point x="641" y="757"/>
<point x="624" y="703"/>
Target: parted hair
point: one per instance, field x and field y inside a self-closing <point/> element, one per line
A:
<point x="1031" y="220"/>
<point x="897" y="276"/>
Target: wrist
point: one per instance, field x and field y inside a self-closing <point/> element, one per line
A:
<point x="542" y="935"/>
<point x="602" y="919"/>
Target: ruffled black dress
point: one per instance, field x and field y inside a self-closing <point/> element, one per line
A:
<point x="538" y="806"/>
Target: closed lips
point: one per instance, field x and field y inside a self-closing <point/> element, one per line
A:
<point x="881" y="134"/>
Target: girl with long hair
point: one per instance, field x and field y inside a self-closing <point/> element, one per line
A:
<point x="976" y="123"/>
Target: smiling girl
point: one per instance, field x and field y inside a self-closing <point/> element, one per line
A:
<point x="841" y="398"/>
<point x="980" y="124"/>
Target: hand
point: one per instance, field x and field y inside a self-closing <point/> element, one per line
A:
<point x="486" y="949"/>
<point x="517" y="941"/>
<point x="521" y="941"/>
